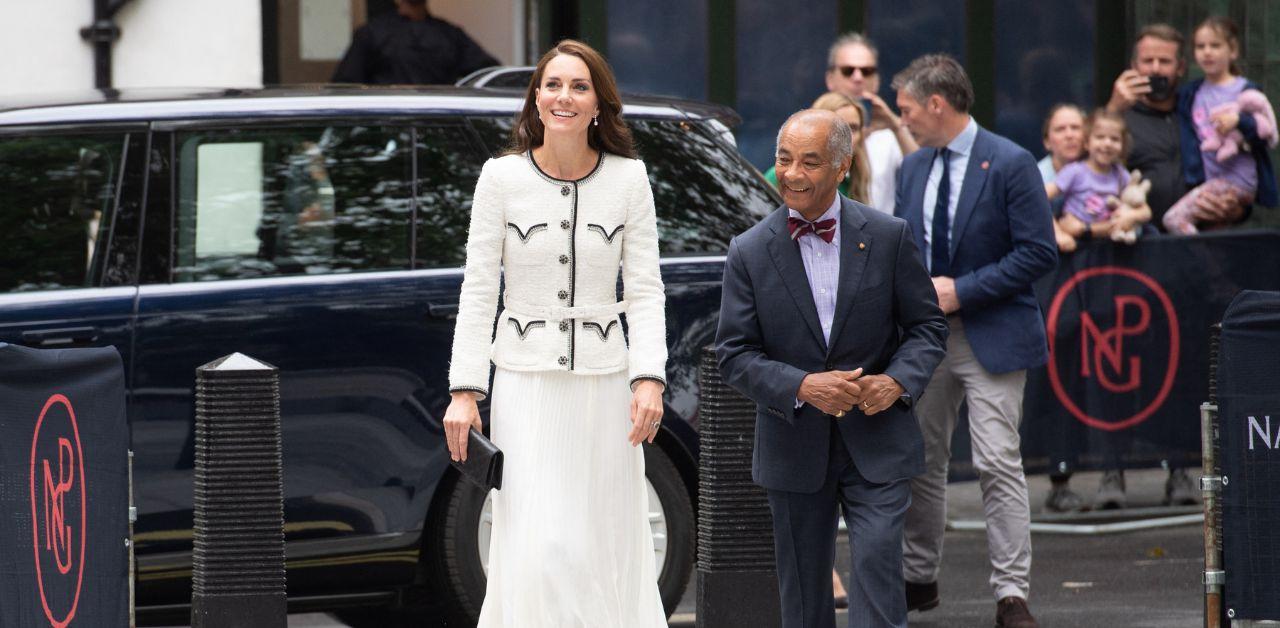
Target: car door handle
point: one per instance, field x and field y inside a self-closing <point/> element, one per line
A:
<point x="446" y="311"/>
<point x="62" y="336"/>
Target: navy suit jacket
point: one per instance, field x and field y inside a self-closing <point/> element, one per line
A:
<point x="1001" y="242"/>
<point x="887" y="320"/>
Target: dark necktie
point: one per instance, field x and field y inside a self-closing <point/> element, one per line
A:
<point x="939" y="243"/>
<point x="825" y="229"/>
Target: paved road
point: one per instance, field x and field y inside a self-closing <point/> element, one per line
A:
<point x="1140" y="579"/>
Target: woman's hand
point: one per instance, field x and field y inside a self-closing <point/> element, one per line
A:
<point x="646" y="411"/>
<point x="461" y="416"/>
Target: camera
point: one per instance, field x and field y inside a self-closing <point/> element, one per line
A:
<point x="1160" y="87"/>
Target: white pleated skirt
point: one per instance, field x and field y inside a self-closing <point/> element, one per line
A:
<point x="571" y="544"/>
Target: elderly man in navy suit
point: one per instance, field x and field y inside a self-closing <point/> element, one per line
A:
<point x="830" y="324"/>
<point x="979" y="213"/>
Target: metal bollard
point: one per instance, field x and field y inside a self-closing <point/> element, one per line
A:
<point x="238" y="576"/>
<point x="737" y="578"/>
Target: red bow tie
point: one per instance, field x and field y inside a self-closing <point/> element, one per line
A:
<point x="825" y="229"/>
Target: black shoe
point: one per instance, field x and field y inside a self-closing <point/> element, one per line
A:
<point x="922" y="597"/>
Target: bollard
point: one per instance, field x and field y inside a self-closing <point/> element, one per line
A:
<point x="238" y="575"/>
<point x="737" y="578"/>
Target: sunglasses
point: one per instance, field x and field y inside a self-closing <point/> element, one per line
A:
<point x="868" y="71"/>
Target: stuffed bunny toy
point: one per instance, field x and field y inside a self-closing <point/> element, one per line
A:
<point x="1250" y="101"/>
<point x="1131" y="200"/>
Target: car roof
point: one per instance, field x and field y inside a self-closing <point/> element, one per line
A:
<point x="137" y="105"/>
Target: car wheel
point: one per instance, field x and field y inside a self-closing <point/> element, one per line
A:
<point x="674" y="529"/>
<point x="451" y="555"/>
<point x="457" y="551"/>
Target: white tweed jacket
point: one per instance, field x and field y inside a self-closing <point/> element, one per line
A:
<point x="559" y="244"/>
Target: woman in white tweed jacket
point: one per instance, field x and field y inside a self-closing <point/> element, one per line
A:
<point x="557" y="215"/>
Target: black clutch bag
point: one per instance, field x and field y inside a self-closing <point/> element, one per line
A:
<point x="484" y="462"/>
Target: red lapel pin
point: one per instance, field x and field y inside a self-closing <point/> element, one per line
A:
<point x="986" y="164"/>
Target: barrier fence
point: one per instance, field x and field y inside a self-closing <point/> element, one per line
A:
<point x="64" y="493"/>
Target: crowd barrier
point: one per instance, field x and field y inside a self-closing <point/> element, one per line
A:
<point x="64" y="493"/>
<point x="1129" y="349"/>
<point x="1241" y="425"/>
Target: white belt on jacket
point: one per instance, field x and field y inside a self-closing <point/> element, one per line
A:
<point x="556" y="313"/>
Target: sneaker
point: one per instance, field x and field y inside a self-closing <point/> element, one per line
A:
<point x="1012" y="612"/>
<point x="1063" y="499"/>
<point x="1180" y="489"/>
<point x="922" y="597"/>
<point x="1110" y="491"/>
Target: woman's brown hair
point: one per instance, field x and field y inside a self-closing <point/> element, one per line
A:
<point x="860" y="170"/>
<point x="610" y="136"/>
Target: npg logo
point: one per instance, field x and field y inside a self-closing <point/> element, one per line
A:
<point x="1115" y="344"/>
<point x="58" y="509"/>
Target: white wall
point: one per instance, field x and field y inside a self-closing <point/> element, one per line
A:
<point x="41" y="45"/>
<point x="495" y="24"/>
<point x="186" y="43"/>
<point x="163" y="43"/>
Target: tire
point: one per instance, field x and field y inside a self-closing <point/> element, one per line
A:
<point x="452" y="557"/>
<point x="451" y="554"/>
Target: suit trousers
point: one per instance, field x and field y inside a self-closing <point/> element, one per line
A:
<point x="804" y="532"/>
<point x="995" y="410"/>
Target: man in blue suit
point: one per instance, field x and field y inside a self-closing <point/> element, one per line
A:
<point x="978" y="211"/>
<point x="829" y="323"/>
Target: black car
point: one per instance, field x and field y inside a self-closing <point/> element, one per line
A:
<point x="322" y="231"/>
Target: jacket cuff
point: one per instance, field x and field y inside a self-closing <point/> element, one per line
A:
<point x="484" y="394"/>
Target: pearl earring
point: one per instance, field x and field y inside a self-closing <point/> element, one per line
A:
<point x="595" y="120"/>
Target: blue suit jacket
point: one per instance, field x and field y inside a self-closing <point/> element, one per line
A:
<point x="887" y="320"/>
<point x="1001" y="242"/>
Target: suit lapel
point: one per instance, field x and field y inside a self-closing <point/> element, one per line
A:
<point x="786" y="257"/>
<point x="854" y="248"/>
<point x="975" y="178"/>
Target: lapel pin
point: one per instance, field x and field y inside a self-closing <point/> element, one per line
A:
<point x="862" y="245"/>
<point x="986" y="164"/>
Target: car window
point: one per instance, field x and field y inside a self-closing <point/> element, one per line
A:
<point x="703" y="191"/>
<point x="291" y="201"/>
<point x="512" y="79"/>
<point x="55" y="208"/>
<point x="448" y="166"/>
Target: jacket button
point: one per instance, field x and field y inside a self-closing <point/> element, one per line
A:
<point x="564" y="191"/>
<point x="564" y="259"/>
<point x="563" y="294"/>
<point x="563" y="360"/>
<point x="564" y="224"/>
<point x="829" y="366"/>
<point x="564" y="325"/>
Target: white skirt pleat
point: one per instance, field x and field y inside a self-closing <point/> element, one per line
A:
<point x="571" y="544"/>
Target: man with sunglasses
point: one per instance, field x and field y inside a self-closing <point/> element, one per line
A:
<point x="852" y="71"/>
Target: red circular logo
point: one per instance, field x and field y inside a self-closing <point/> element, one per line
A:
<point x="57" y="490"/>
<point x="1102" y="350"/>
